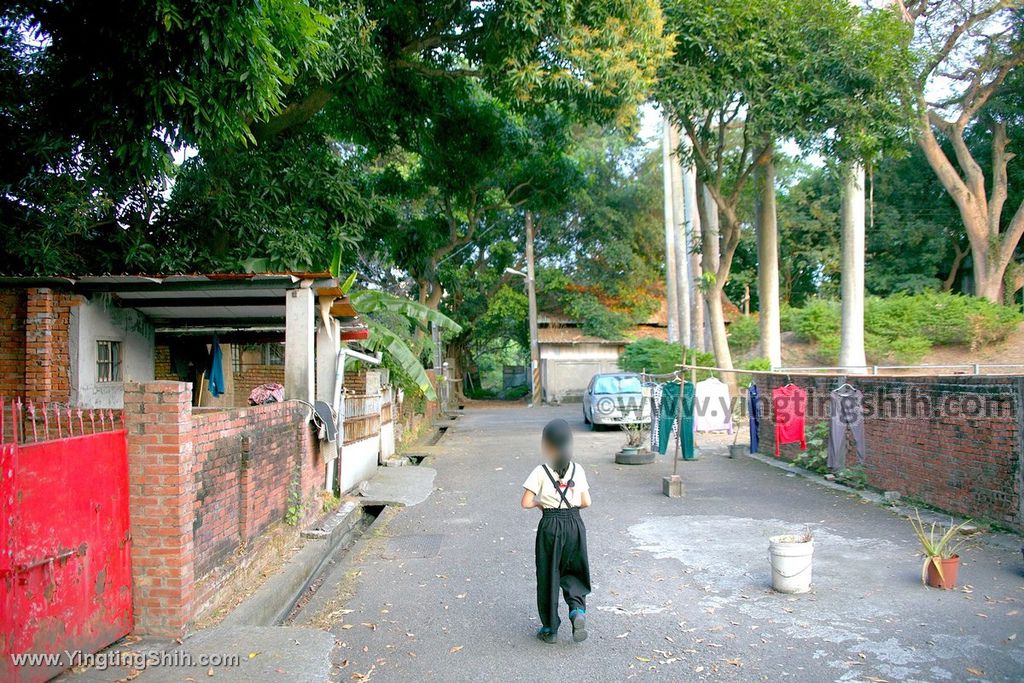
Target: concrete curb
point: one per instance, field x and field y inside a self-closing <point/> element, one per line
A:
<point x="274" y="600"/>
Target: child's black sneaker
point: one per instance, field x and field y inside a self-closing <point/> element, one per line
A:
<point x="547" y="635"/>
<point x="579" y="625"/>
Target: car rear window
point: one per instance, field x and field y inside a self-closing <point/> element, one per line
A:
<point x="617" y="385"/>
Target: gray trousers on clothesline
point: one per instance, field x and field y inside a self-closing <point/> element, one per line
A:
<point x="847" y="418"/>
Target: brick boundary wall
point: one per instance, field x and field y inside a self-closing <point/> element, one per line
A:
<point x="35" y="344"/>
<point x="203" y="487"/>
<point x="970" y="465"/>
<point x="248" y="463"/>
<point x="12" y="343"/>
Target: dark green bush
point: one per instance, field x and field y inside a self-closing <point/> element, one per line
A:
<point x="658" y="357"/>
<point x="744" y="333"/>
<point x="904" y="327"/>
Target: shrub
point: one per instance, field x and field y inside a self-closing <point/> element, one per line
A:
<point x="904" y="327"/>
<point x="817" y="320"/>
<point x="788" y="317"/>
<point x="517" y="392"/>
<point x="815" y="458"/>
<point x="658" y="357"/>
<point x="940" y="318"/>
<point x="744" y="333"/>
<point x="752" y="364"/>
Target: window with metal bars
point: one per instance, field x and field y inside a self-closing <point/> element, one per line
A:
<point x="108" y="361"/>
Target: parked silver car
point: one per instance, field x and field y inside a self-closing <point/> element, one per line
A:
<point x="615" y="398"/>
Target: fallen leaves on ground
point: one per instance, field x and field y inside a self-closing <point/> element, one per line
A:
<point x="455" y="648"/>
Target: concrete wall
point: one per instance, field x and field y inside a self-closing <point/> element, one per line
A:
<point x="93" y="321"/>
<point x="387" y="440"/>
<point x="358" y="461"/>
<point x="566" y="369"/>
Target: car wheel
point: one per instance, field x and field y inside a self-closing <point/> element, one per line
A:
<point x="586" y="420"/>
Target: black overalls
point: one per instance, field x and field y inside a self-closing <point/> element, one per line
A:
<point x="561" y="558"/>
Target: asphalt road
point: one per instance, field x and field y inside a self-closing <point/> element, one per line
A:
<point x="444" y="590"/>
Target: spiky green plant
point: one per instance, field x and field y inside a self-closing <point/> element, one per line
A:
<point x="936" y="544"/>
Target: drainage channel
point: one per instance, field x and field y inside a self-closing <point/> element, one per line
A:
<point x="367" y="515"/>
<point x="331" y="572"/>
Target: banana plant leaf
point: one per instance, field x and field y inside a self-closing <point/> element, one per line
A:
<point x="368" y="301"/>
<point x="383" y="339"/>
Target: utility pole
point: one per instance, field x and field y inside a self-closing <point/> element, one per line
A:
<point x="531" y="293"/>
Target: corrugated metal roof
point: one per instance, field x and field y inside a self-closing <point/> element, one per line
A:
<point x="183" y="302"/>
<point x="573" y="335"/>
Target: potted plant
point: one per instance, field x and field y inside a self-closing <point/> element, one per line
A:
<point x="941" y="552"/>
<point x="633" y="452"/>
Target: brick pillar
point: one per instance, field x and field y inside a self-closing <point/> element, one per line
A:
<point x="39" y="323"/>
<point x="158" y="418"/>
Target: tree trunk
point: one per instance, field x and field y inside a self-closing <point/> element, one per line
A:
<point x="768" y="264"/>
<point x="851" y="343"/>
<point x="954" y="269"/>
<point x="719" y="336"/>
<point x="671" y="287"/>
<point x="992" y="248"/>
<point x="712" y="263"/>
<point x="691" y="194"/>
<point x="705" y="233"/>
<point x="682" y="256"/>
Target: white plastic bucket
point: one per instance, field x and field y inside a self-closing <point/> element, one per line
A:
<point x="790" y="557"/>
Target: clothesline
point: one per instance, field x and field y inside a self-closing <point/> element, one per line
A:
<point x="738" y="371"/>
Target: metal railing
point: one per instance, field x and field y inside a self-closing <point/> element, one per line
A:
<point x="974" y="368"/>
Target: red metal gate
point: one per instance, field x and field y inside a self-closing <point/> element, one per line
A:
<point x="65" y="548"/>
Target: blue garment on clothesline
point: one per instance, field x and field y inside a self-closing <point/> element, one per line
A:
<point x="755" y="416"/>
<point x="215" y="380"/>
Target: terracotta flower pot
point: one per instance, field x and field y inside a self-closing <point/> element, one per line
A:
<point x="949" y="570"/>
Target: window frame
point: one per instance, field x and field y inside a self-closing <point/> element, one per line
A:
<point x="109" y="361"/>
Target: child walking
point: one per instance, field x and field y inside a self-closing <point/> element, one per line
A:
<point x="559" y="488"/>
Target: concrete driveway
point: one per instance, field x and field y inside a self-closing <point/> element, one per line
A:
<point x="445" y="590"/>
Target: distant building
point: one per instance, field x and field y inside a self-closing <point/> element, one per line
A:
<point x="569" y="358"/>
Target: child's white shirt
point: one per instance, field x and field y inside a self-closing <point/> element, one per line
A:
<point x="544" y="491"/>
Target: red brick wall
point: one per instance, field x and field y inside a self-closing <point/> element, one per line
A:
<point x="161" y="486"/>
<point x="162" y="363"/>
<point x="205" y="485"/>
<point x="12" y="342"/>
<point x="47" y="344"/>
<point x="247" y="459"/>
<point x="35" y="351"/>
<point x="252" y="376"/>
<point x="953" y="442"/>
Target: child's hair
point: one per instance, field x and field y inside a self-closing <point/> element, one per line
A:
<point x="558" y="435"/>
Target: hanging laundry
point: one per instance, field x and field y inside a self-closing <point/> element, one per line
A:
<point x="714" y="406"/>
<point x="655" y="391"/>
<point x="215" y="378"/>
<point x="754" y="410"/>
<point x="847" y="408"/>
<point x="687" y="427"/>
<point x="789" y="404"/>
<point x="668" y="414"/>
